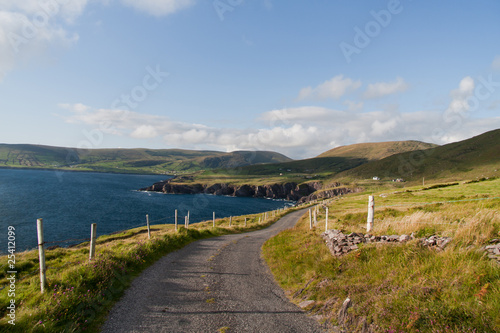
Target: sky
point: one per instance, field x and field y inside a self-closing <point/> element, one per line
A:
<point x="296" y="77"/>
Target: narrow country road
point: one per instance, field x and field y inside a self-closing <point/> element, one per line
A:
<point x="215" y="285"/>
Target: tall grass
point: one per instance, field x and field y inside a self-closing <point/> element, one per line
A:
<point x="81" y="292"/>
<point x="400" y="287"/>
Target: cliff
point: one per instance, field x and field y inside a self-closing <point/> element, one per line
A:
<point x="288" y="191"/>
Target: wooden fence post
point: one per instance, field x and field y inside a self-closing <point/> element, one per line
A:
<point x="310" y="219"/>
<point x="147" y="222"/>
<point x="188" y="217"/>
<point x="245" y="221"/>
<point x="230" y="220"/>
<point x="176" y="220"/>
<point x="326" y="219"/>
<point x="371" y="211"/>
<point x="41" y="254"/>
<point x="93" y="229"/>
<point x="213" y="218"/>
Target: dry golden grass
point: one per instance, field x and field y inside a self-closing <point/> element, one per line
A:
<point x="401" y="287"/>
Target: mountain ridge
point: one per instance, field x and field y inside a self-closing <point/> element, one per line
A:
<point x="129" y="160"/>
<point x="376" y="150"/>
<point x="474" y="157"/>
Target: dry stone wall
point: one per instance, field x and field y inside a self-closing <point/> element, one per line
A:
<point x="493" y="250"/>
<point x="339" y="243"/>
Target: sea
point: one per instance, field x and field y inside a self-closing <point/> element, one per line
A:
<point x="69" y="202"/>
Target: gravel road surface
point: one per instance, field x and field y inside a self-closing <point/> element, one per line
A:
<point x="215" y="285"/>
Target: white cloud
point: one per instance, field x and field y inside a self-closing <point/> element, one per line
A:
<point x="144" y="132"/>
<point x="459" y="104"/>
<point x="354" y="106"/>
<point x="333" y="88"/>
<point x="309" y="113"/>
<point x="496" y="63"/>
<point x="466" y="87"/>
<point x="77" y="108"/>
<point x="28" y="28"/>
<point x="289" y="131"/>
<point x="380" y="128"/>
<point x="159" y="7"/>
<point x="380" y="89"/>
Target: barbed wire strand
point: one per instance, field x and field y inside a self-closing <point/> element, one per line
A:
<point x="438" y="202"/>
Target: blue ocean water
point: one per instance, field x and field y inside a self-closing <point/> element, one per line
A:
<point x="69" y="202"/>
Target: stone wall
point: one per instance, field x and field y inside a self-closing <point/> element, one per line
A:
<point x="493" y="250"/>
<point x="339" y="243"/>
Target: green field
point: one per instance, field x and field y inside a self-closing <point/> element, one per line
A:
<point x="400" y="287"/>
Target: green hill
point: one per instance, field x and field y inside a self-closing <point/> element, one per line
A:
<point x="129" y="160"/>
<point x="333" y="161"/>
<point x="475" y="157"/>
<point x="377" y="150"/>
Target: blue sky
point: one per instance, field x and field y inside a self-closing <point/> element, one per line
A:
<point x="295" y="77"/>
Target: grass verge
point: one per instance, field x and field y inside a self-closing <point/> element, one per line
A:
<point x="400" y="287"/>
<point x="80" y="292"/>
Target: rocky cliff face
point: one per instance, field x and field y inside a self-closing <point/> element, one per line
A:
<point x="287" y="191"/>
<point x="330" y="193"/>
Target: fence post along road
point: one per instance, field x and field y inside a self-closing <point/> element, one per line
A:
<point x="371" y="212"/>
<point x="93" y="239"/>
<point x="41" y="254"/>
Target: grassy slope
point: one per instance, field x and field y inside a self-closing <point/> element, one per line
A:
<point x="320" y="168"/>
<point x="475" y="157"/>
<point x="401" y="288"/>
<point x="81" y="292"/>
<point x="376" y="151"/>
<point x="129" y="160"/>
<point x="295" y="171"/>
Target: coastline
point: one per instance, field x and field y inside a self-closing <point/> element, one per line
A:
<point x="89" y="171"/>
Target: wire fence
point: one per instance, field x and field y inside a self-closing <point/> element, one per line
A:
<point x="76" y="241"/>
<point x="437" y="202"/>
<point x="459" y="223"/>
<point x="164" y="219"/>
<point x="128" y="228"/>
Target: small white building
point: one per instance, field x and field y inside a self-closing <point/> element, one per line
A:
<point x="376" y="178"/>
